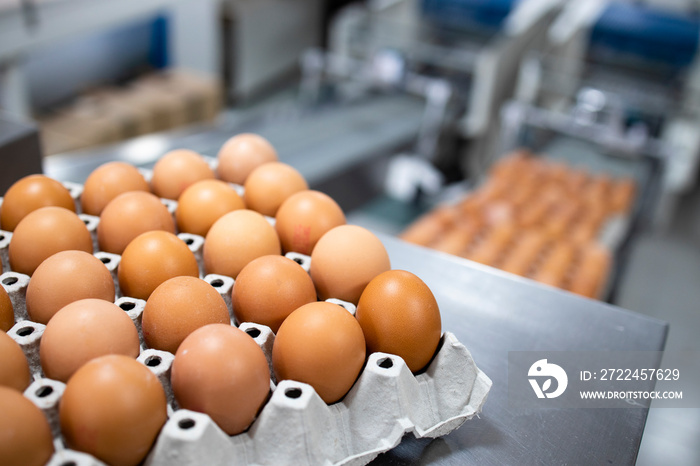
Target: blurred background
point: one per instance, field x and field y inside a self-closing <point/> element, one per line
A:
<point x="553" y="139"/>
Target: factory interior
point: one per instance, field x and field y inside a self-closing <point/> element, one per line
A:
<point x="534" y="162"/>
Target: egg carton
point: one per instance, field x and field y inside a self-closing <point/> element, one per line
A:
<point x="295" y="426"/>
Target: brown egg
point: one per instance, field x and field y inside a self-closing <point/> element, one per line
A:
<point x="320" y="344"/>
<point x="43" y="233"/>
<point x="304" y="217"/>
<point x="268" y="289"/>
<point x="623" y="194"/>
<point x="82" y="331"/>
<point x="109" y="181"/>
<point x="399" y="315"/>
<point x="269" y="185"/>
<point x="576" y="182"/>
<point x="589" y="278"/>
<point x="14" y="370"/>
<point x="555" y="265"/>
<point x="457" y="240"/>
<point x="29" y="194"/>
<point x="220" y="370"/>
<point x="177" y="170"/>
<point x="423" y="231"/>
<point x="65" y="277"/>
<point x="236" y="239"/>
<point x="113" y="408"/>
<point x="241" y="154"/>
<point x="129" y="215"/>
<point x="177" y="308"/>
<point x="203" y="203"/>
<point x="25" y="437"/>
<point x="345" y="260"/>
<point x="152" y="258"/>
<point x="7" y="313"/>
<point x="524" y="253"/>
<point x="491" y="249"/>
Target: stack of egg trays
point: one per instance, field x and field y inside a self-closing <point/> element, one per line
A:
<point x="295" y="426"/>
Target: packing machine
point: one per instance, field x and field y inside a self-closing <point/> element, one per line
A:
<point x="624" y="75"/>
<point x="461" y="57"/>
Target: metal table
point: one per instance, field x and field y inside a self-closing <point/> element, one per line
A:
<point x="493" y="312"/>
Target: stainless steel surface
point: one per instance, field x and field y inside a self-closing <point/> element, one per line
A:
<point x="493" y="312"/>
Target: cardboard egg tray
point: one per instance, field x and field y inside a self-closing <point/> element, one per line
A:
<point x="295" y="426"/>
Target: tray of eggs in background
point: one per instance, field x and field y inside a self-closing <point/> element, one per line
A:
<point x="168" y="317"/>
<point x="539" y="219"/>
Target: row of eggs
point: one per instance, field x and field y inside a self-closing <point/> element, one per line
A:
<point x="218" y="368"/>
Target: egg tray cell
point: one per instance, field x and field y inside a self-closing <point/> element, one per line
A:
<point x="295" y="426"/>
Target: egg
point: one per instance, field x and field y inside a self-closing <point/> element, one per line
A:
<point x="576" y="181"/>
<point x="236" y="239"/>
<point x="178" y="307"/>
<point x="203" y="203"/>
<point x="25" y="437"/>
<point x="127" y="216"/>
<point x="177" y="170"/>
<point x="491" y="249"/>
<point x="623" y="193"/>
<point x="29" y="194"/>
<point x="14" y="370"/>
<point x="524" y="253"/>
<point x="43" y="233"/>
<point x="241" y="154"/>
<point x="591" y="274"/>
<point x="113" y="408"/>
<point x="304" y="217"/>
<point x="423" y="231"/>
<point x="457" y="240"/>
<point x="7" y="313"/>
<point x="345" y="260"/>
<point x="399" y="315"/>
<point x="65" y="277"/>
<point x="107" y="182"/>
<point x="84" y="330"/>
<point x="151" y="259"/>
<point x="320" y="344"/>
<point x="556" y="263"/>
<point x="268" y="289"/>
<point x="271" y="184"/>
<point x="220" y="370"/>
<point x="534" y="213"/>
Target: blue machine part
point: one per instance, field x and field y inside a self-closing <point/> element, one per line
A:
<point x="648" y="33"/>
<point x="158" y="51"/>
<point x="464" y="13"/>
